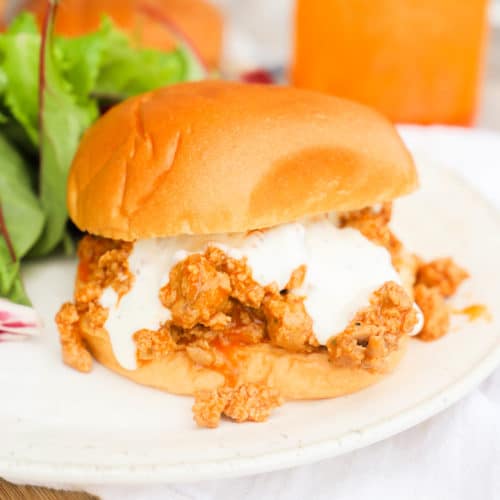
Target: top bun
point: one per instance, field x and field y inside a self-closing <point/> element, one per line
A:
<point x="143" y="20"/>
<point x="219" y="157"/>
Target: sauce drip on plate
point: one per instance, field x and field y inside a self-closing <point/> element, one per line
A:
<point x="475" y="312"/>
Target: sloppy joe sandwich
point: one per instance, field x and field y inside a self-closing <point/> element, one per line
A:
<point x="238" y="248"/>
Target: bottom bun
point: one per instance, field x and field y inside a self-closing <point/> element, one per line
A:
<point x="293" y="375"/>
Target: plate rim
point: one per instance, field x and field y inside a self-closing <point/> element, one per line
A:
<point x="43" y="472"/>
<point x="35" y="471"/>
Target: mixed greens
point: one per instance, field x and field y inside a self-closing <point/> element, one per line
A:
<point x="52" y="89"/>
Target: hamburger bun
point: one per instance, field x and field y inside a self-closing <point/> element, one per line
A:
<point x="217" y="157"/>
<point x="214" y="157"/>
<point x="293" y="375"/>
<point x="144" y="20"/>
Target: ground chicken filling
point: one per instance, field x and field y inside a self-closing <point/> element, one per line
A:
<point x="215" y="304"/>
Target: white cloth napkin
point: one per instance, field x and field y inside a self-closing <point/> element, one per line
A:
<point x="455" y="455"/>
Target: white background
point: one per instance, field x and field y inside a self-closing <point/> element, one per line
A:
<point x="258" y="33"/>
<point x="455" y="454"/>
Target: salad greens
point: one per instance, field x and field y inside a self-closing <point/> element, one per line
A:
<point x="22" y="214"/>
<point x="51" y="91"/>
<point x="56" y="95"/>
<point x="19" y="70"/>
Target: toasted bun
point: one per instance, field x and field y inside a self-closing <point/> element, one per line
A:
<point x="148" y="22"/>
<point x="214" y="157"/>
<point x="295" y="376"/>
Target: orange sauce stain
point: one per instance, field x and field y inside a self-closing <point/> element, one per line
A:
<point x="475" y="312"/>
<point x="229" y="366"/>
<point x="83" y="271"/>
<point x="227" y="345"/>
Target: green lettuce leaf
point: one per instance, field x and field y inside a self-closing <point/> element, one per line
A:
<point x="23" y="24"/>
<point x="21" y="220"/>
<point x="81" y="58"/>
<point x="127" y="72"/>
<point x="11" y="286"/>
<point x="196" y="68"/>
<point x="19" y="53"/>
<point x="105" y="64"/>
<point x="63" y="119"/>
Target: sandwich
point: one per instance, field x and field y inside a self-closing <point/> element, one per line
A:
<point x="238" y="248"/>
<point x="155" y="24"/>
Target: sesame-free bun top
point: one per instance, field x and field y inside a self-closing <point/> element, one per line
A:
<point x="144" y="20"/>
<point x="218" y="157"/>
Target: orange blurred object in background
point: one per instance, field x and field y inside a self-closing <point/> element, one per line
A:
<point x="199" y="20"/>
<point x="416" y="61"/>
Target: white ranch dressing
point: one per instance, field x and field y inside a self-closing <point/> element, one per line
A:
<point x="343" y="269"/>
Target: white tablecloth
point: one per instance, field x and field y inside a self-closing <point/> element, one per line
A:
<point x="455" y="455"/>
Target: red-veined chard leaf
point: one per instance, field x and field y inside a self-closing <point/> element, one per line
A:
<point x="63" y="119"/>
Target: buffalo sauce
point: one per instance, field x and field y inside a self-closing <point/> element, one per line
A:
<point x="227" y="363"/>
<point x="230" y="341"/>
<point x="475" y="312"/>
<point x="83" y="271"/>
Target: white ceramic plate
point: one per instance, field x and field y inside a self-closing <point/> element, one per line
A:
<point x="57" y="425"/>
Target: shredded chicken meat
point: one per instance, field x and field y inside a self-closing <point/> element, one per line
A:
<point x="74" y="352"/>
<point x="288" y="324"/>
<point x="436" y="281"/>
<point x="215" y="303"/>
<point x="442" y="274"/>
<point x="197" y="293"/>
<point x="429" y="282"/>
<point x="153" y="345"/>
<point x="375" y="331"/>
<point x="247" y="402"/>
<point x="102" y="263"/>
<point x="435" y="310"/>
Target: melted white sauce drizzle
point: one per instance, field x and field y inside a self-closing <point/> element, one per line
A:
<point x="343" y="269"/>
